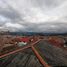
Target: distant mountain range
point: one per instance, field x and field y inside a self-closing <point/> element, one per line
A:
<point x="31" y="33"/>
<point x="35" y="33"/>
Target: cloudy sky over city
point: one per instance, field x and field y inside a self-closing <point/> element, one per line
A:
<point x="33" y="15"/>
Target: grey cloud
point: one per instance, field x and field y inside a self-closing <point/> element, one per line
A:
<point x="17" y="13"/>
<point x="59" y="28"/>
<point x="11" y="14"/>
<point x="47" y="3"/>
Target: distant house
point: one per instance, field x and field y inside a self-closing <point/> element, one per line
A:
<point x="56" y="41"/>
<point x="24" y="39"/>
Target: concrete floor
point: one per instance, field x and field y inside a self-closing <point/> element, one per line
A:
<point x="53" y="55"/>
<point x="22" y="59"/>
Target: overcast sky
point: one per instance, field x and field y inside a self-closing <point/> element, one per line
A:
<point x="33" y="15"/>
